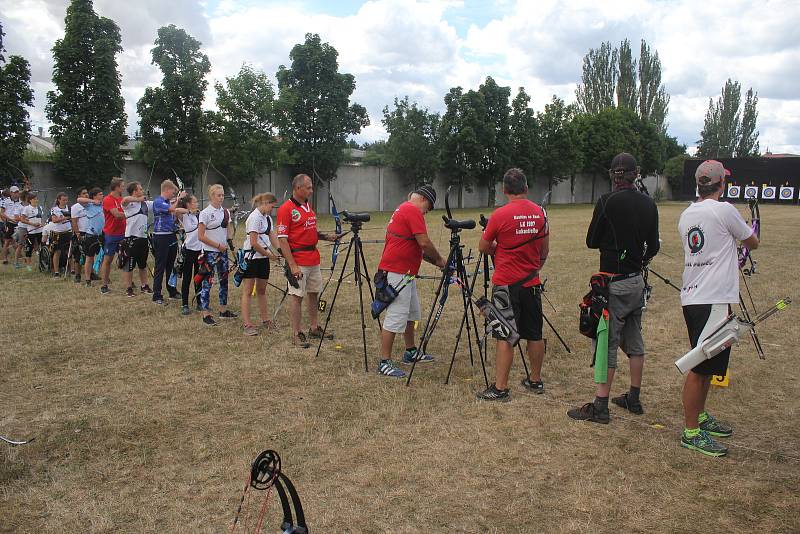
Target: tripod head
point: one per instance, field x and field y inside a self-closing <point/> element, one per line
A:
<point x="483" y="221"/>
<point x="456" y="226"/>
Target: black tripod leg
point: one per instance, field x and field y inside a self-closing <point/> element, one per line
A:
<point x="524" y="363"/>
<point x="553" y="328"/>
<point x="473" y="280"/>
<point x="333" y="302"/>
<point x="365" y="274"/>
<point x="360" y="282"/>
<point x="468" y="308"/>
<point x="429" y="325"/>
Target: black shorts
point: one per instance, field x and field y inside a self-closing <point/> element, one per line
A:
<point x="527" y="305"/>
<point x="257" y="268"/>
<point x="59" y="241"/>
<point x="76" y="247"/>
<point x="8" y="230"/>
<point x="696" y="317"/>
<point x="137" y="253"/>
<point x="91" y="244"/>
<point x="32" y="241"/>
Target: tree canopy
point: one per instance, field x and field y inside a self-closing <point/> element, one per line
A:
<point x="16" y="95"/>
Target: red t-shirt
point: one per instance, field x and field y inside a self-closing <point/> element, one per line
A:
<point x="513" y="224"/>
<point x="298" y="224"/>
<point x="113" y="227"/>
<point x="401" y="253"/>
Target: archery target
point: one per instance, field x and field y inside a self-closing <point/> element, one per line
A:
<point x="751" y="191"/>
<point x="768" y="192"/>
<point x="787" y="193"/>
<point x="734" y="191"/>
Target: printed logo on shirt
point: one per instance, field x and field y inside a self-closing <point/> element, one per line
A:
<point x="695" y="239"/>
<point x="295" y="216"/>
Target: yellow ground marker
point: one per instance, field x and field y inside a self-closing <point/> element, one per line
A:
<point x="721" y="381"/>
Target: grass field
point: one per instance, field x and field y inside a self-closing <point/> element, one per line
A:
<point x="146" y="421"/>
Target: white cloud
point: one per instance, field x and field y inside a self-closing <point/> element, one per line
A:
<point x="422" y="48"/>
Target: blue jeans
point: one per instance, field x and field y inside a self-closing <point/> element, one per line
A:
<point x="219" y="268"/>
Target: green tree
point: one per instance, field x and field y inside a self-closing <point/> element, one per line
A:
<point x="497" y="135"/>
<point x="728" y="130"/>
<point x="243" y="133"/>
<point x="599" y="79"/>
<point x="172" y="123"/>
<point x="560" y="145"/>
<point x="16" y="94"/>
<point x="525" y="149"/>
<point x="375" y="154"/>
<point x="627" y="92"/>
<point x="653" y="97"/>
<point x="86" y="108"/>
<point x="412" y="145"/>
<point x="314" y="110"/>
<point x="673" y="170"/>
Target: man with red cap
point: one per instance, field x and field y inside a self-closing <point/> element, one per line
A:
<point x="709" y="230"/>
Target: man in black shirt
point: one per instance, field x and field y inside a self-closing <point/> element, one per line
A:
<point x="624" y="228"/>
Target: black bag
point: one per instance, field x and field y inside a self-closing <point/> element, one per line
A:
<point x="384" y="293"/>
<point x="593" y="304"/>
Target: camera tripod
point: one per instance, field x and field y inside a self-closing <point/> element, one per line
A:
<point x="359" y="273"/>
<point x="454" y="270"/>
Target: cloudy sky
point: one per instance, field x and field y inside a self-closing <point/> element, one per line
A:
<point x="422" y="48"/>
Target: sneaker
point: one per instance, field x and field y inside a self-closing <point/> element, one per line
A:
<point x="250" y="330"/>
<point x="624" y="402"/>
<point x="77" y="279"/>
<point x="104" y="290"/>
<point x="129" y="292"/>
<point x="88" y="283"/>
<point x="388" y="368"/>
<point x="146" y="289"/>
<point x="209" y="321"/>
<point x="160" y="301"/>
<point x="227" y="314"/>
<point x="703" y="443"/>
<point x="534" y="386"/>
<point x="300" y="340"/>
<point x="56" y="275"/>
<point x="493" y="394"/>
<point x="29" y="268"/>
<point x="410" y="357"/>
<point x="317" y="334"/>
<point x="175" y="296"/>
<point x="17" y="266"/>
<point x="185" y="310"/>
<point x="588" y="412"/>
<point x="711" y="426"/>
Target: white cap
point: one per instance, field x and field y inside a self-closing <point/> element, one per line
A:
<point x="14" y="189"/>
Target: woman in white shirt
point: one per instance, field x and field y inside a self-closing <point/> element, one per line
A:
<point x="60" y="234"/>
<point x="136" y="209"/>
<point x="214" y="231"/>
<point x="258" y="250"/>
<point x="186" y="209"/>
<point x="31" y="217"/>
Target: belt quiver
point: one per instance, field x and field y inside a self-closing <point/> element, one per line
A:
<point x="594" y="303"/>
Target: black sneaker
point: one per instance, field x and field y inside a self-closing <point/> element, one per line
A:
<point x="209" y="321"/>
<point x="56" y="275"/>
<point x="588" y="412"/>
<point x="227" y="314"/>
<point x="94" y="277"/>
<point x="185" y="310"/>
<point x="175" y="296"/>
<point x="632" y="406"/>
<point x="77" y="279"/>
<point x="300" y="340"/>
<point x="146" y="289"/>
<point x="129" y="292"/>
<point x="88" y="283"/>
<point x="160" y="301"/>
<point x="493" y="394"/>
<point x="317" y="334"/>
<point x="104" y="290"/>
<point x="533" y="386"/>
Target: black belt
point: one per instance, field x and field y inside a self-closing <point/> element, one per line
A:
<point x="618" y="277"/>
<point x="306" y="248"/>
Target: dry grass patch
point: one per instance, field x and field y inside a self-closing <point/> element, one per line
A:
<point x="145" y="421"/>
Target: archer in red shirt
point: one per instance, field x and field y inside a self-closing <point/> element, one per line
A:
<point x="517" y="235"/>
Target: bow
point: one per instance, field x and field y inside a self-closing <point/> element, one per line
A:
<point x="322" y="304"/>
<point x="748" y="267"/>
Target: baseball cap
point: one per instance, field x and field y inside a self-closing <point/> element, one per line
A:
<point x="14" y="189"/>
<point x="709" y="172"/>
<point x="623" y="162"/>
<point x="428" y="192"/>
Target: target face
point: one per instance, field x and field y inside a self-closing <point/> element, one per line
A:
<point x="787" y="193"/>
<point x="768" y="193"/>
<point x="734" y="191"/>
<point x="751" y="191"/>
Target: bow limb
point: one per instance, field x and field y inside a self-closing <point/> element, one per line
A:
<point x="338" y="221"/>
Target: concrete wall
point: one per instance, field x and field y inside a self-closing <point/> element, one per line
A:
<point x="365" y="187"/>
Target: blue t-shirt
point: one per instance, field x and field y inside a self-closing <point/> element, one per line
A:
<point x="163" y="220"/>
<point x="95" y="219"/>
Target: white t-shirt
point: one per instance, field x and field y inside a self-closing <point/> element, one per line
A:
<point x="262" y="225"/>
<point x="136" y="218"/>
<point x="709" y="230"/>
<point x="190" y="223"/>
<point x="12" y="209"/>
<point x="212" y="218"/>
<point x="34" y="215"/>
<point x="79" y="214"/>
<point x="62" y="226"/>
